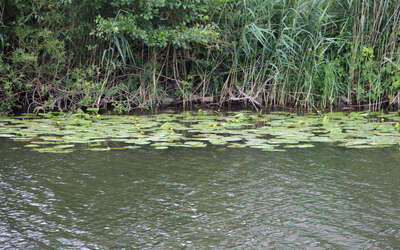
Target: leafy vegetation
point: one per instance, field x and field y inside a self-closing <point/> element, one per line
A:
<point x="122" y="55"/>
<point x="64" y="133"/>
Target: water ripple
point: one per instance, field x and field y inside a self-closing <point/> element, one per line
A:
<point x="324" y="197"/>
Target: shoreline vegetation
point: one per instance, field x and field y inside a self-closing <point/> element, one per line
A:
<point x="123" y="56"/>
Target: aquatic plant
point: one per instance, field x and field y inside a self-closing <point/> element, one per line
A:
<point x="269" y="132"/>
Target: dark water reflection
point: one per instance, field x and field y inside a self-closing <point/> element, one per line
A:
<point x="323" y="197"/>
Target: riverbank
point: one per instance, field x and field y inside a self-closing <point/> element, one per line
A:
<point x="123" y="56"/>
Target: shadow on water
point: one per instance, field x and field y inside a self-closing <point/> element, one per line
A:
<point x="322" y="197"/>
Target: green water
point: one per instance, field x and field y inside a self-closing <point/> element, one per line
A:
<point x="213" y="197"/>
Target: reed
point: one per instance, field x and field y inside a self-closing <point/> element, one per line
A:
<point x="309" y="55"/>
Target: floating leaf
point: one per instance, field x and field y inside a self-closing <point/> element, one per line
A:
<point x="300" y="146"/>
<point x="64" y="146"/>
<point x="7" y="135"/>
<point x="194" y="144"/>
<point x="237" y="129"/>
<point x="99" y="149"/>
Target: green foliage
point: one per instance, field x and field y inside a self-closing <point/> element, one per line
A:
<point x="158" y="23"/>
<point x="128" y="54"/>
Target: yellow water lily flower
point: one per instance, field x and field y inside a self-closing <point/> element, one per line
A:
<point x="300" y="122"/>
<point x="58" y="122"/>
<point x="214" y="125"/>
<point x="396" y="125"/>
<point x="76" y="119"/>
<point x="382" y="119"/>
<point x="98" y="116"/>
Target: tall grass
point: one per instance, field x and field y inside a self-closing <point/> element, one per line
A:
<point x="308" y="54"/>
<point x="279" y="51"/>
<point x="374" y="43"/>
<point x="304" y="54"/>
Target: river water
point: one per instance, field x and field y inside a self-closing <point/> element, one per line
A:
<point x="314" y="198"/>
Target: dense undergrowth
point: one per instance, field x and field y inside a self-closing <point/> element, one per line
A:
<point x="123" y="55"/>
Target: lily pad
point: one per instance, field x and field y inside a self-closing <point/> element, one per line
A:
<point x="194" y="144"/>
<point x="99" y="149"/>
<point x="199" y="129"/>
<point x="7" y="135"/>
<point x="64" y="146"/>
<point x="300" y="146"/>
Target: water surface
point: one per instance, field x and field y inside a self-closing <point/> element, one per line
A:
<point x="321" y="197"/>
